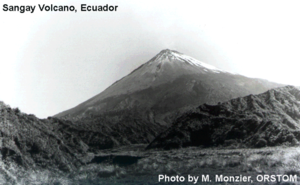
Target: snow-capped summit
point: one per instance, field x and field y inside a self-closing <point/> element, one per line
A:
<point x="168" y="55"/>
<point x="167" y="83"/>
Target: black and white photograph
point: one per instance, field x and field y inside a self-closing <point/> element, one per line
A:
<point x="103" y="92"/>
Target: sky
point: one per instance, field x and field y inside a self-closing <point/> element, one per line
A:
<point x="53" y="61"/>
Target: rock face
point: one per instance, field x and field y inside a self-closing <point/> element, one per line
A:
<point x="163" y="87"/>
<point x="268" y="119"/>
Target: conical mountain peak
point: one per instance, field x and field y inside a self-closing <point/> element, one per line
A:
<point x="181" y="60"/>
<point x="166" y="54"/>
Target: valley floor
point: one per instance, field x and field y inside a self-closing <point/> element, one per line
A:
<point x="264" y="166"/>
<point x="134" y="165"/>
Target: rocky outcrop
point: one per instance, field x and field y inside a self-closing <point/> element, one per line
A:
<point x="268" y="119"/>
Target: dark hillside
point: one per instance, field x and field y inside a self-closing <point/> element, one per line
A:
<point x="268" y="119"/>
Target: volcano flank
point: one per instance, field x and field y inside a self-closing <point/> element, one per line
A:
<point x="167" y="83"/>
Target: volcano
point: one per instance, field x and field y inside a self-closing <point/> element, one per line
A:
<point x="166" y="86"/>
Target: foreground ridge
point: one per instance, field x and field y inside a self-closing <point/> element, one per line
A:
<point x="268" y="119"/>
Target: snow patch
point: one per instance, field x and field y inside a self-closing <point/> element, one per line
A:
<point x="195" y="62"/>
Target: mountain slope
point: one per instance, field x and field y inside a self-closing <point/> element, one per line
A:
<point x="268" y="119"/>
<point x="164" y="86"/>
<point x="29" y="144"/>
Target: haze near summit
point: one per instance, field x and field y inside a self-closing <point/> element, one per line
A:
<point x="54" y="61"/>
